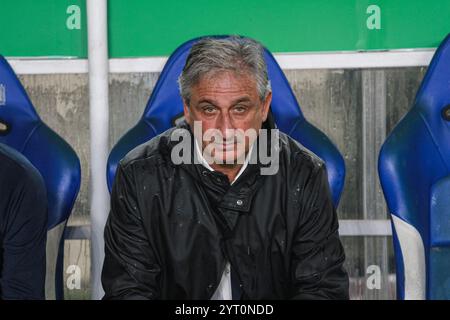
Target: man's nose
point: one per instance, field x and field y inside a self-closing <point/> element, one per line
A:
<point x="225" y="126"/>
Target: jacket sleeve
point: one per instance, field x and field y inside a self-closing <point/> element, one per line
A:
<point x="24" y="240"/>
<point x="317" y="254"/>
<point x="130" y="270"/>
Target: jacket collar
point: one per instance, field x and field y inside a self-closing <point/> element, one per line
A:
<point x="229" y="199"/>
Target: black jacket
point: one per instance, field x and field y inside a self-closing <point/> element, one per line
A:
<point x="23" y="228"/>
<point x="172" y="228"/>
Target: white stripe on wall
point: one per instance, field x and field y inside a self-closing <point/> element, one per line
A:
<point x="365" y="227"/>
<point x="346" y="228"/>
<point x="287" y="61"/>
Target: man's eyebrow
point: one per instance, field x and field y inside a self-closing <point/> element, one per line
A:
<point x="242" y="99"/>
<point x="206" y="100"/>
<point x="213" y="102"/>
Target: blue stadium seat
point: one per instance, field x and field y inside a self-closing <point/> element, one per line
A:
<point x="165" y="106"/>
<point x="23" y="130"/>
<point x="414" y="169"/>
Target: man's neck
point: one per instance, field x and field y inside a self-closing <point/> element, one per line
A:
<point x="232" y="171"/>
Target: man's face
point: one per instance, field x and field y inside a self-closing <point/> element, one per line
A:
<point x="224" y="101"/>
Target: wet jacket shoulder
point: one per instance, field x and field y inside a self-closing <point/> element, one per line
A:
<point x="317" y="253"/>
<point x="130" y="270"/>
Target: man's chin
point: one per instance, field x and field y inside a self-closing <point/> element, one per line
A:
<point x="229" y="158"/>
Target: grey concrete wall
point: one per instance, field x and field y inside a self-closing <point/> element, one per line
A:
<point x="62" y="102"/>
<point x="331" y="100"/>
<point x="336" y="101"/>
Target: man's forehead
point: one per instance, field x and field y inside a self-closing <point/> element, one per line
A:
<point x="226" y="82"/>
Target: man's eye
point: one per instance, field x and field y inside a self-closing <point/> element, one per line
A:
<point x="209" y="110"/>
<point x="240" y="109"/>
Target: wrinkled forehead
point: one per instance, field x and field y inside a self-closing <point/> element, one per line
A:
<point x="226" y="80"/>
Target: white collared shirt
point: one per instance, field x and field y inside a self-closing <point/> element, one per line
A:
<point x="223" y="291"/>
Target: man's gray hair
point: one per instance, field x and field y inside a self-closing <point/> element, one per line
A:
<point x="238" y="54"/>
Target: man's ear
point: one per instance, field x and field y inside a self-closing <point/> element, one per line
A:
<point x="266" y="106"/>
<point x="187" y="113"/>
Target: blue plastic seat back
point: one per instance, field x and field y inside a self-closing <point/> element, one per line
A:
<point x="414" y="169"/>
<point x="165" y="105"/>
<point x="23" y="130"/>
